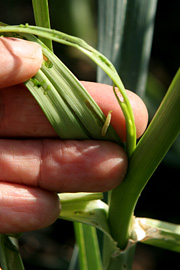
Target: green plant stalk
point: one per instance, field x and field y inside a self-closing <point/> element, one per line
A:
<point x="42" y="18"/>
<point x="99" y="59"/>
<point x="161" y="133"/>
<point x="89" y="255"/>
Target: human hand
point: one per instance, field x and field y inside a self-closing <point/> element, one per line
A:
<point x="34" y="162"/>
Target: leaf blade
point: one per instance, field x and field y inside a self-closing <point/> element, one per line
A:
<point x="42" y="18"/>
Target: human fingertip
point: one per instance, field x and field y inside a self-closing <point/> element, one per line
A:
<point x="114" y="168"/>
<point x="26" y="208"/>
<point x="20" y="60"/>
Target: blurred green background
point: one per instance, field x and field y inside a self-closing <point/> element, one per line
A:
<point x="51" y="248"/>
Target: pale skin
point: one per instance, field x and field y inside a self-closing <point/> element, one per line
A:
<point x="34" y="163"/>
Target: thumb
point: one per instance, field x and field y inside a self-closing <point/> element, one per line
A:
<point x="19" y="60"/>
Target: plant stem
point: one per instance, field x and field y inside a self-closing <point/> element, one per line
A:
<point x="149" y="152"/>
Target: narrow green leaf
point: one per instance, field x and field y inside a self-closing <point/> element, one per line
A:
<point x="58" y="113"/>
<point x="41" y="15"/>
<point x="89" y="255"/>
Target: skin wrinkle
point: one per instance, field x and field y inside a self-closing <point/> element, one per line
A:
<point x="72" y="155"/>
<point x="61" y="158"/>
<point x="50" y="162"/>
<point x="69" y="158"/>
<point x="34" y="159"/>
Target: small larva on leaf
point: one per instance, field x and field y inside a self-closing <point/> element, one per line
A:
<point x="106" y="124"/>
